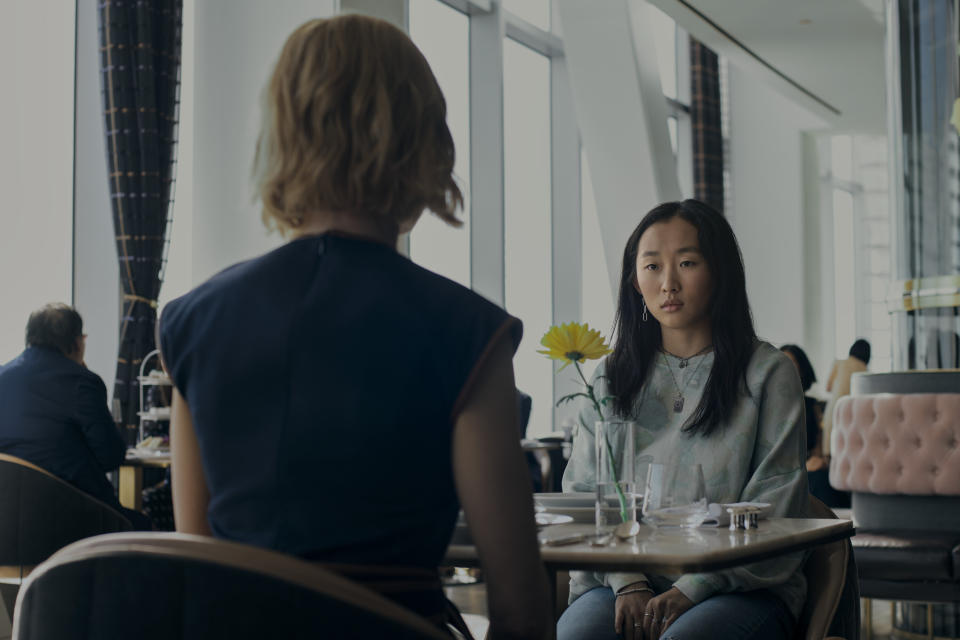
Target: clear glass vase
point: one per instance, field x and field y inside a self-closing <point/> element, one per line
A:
<point x="616" y="493"/>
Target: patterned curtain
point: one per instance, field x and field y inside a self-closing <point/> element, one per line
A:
<point x="705" y="120"/>
<point x="140" y="76"/>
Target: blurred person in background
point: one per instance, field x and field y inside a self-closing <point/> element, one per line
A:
<point x="53" y="410"/>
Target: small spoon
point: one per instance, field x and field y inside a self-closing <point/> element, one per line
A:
<point x="626" y="530"/>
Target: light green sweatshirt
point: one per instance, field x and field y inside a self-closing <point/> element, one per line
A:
<point x="757" y="455"/>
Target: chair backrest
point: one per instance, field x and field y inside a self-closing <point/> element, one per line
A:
<point x="177" y="586"/>
<point x="524" y="405"/>
<point x="40" y="513"/>
<point x="833" y="599"/>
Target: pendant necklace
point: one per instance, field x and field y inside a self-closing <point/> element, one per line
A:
<point x="679" y="401"/>
<point x="685" y="361"/>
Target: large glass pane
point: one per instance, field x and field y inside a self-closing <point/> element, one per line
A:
<point x="36" y="162"/>
<point x="596" y="294"/>
<point x="443" y="35"/>
<point x="665" y="40"/>
<point x="536" y="12"/>
<point x="527" y="244"/>
<point x="672" y="130"/>
<point x="844" y="248"/>
<point x="927" y="211"/>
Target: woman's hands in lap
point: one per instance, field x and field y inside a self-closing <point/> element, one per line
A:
<point x="664" y="609"/>
<point x="629" y="612"/>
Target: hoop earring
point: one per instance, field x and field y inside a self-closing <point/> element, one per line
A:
<point x="644" y="316"/>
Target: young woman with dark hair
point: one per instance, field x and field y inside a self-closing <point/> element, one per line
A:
<point x="726" y="310"/>
<point x="688" y="368"/>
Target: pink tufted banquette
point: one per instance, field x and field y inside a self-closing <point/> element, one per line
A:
<point x="897" y="444"/>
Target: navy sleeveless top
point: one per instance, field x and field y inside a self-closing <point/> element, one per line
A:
<point x="324" y="379"/>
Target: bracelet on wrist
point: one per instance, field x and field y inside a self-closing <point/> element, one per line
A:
<point x="634" y="590"/>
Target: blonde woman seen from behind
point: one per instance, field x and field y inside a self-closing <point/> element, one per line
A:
<point x="334" y="400"/>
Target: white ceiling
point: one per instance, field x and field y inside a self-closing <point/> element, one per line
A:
<point x="832" y="49"/>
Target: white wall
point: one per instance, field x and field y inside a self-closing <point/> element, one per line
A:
<point x="236" y="45"/>
<point x="768" y="204"/>
<point x="36" y="163"/>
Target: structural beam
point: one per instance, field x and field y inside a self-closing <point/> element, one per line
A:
<point x="615" y="83"/>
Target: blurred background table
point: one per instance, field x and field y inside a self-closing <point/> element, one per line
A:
<point x="130" y="482"/>
<point x="551" y="454"/>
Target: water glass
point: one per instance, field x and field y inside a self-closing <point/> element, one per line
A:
<point x="675" y="496"/>
<point x="616" y="495"/>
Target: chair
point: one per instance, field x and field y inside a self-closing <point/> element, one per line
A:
<point x="524" y="406"/>
<point x="178" y="586"/>
<point x="896" y="449"/>
<point x="833" y="600"/>
<point x="40" y="513"/>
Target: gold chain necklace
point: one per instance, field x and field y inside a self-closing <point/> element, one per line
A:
<point x="680" y="400"/>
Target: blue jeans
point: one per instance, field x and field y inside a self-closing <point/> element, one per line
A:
<point x="754" y="615"/>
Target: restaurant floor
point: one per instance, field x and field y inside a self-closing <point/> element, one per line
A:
<point x="471" y="600"/>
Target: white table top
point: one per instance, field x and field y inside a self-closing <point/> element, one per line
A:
<point x="675" y="550"/>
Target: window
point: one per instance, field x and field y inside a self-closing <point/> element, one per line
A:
<point x="673" y="60"/>
<point x="443" y="35"/>
<point x="665" y="41"/>
<point x="36" y="163"/>
<point x="844" y="293"/>
<point x="527" y="220"/>
<point x="861" y="225"/>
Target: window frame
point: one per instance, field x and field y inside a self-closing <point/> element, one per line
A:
<point x="490" y="24"/>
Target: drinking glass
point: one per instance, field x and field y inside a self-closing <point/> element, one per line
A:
<point x="675" y="495"/>
<point x="616" y="496"/>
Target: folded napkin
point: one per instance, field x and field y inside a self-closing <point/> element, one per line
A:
<point x="719" y="517"/>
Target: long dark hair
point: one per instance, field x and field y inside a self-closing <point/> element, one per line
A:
<point x="861" y="351"/>
<point x="637" y="342"/>
<point x="804" y="368"/>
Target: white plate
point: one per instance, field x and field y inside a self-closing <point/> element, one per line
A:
<point x="565" y="500"/>
<point x="544" y="519"/>
<point x="579" y="514"/>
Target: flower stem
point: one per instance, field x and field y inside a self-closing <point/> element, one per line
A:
<point x="622" y="499"/>
<point x="589" y="387"/>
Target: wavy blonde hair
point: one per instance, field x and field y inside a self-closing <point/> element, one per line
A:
<point x="354" y="121"/>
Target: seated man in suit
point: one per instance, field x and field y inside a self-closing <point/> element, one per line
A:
<point x="53" y="410"/>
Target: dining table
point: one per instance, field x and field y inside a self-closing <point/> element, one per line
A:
<point x="666" y="550"/>
<point x="670" y="550"/>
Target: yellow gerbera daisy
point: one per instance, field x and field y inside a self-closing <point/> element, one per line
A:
<point x="574" y="342"/>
